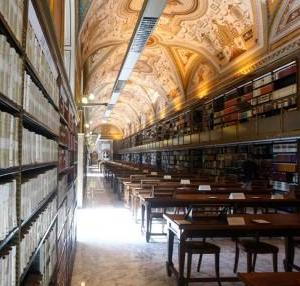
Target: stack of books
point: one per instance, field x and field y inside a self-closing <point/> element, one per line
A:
<point x="37" y="105"/>
<point x="33" y="233"/>
<point x="71" y="198"/>
<point x="61" y="217"/>
<point x="8" y="140"/>
<point x="8" y="212"/>
<point x="48" y="258"/>
<point x="34" y="190"/>
<point x="10" y="71"/>
<point x="62" y="188"/>
<point x="36" y="54"/>
<point x="8" y="266"/>
<point x="37" y="148"/>
<point x="12" y="11"/>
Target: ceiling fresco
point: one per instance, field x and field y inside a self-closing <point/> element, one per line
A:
<point x="197" y="43"/>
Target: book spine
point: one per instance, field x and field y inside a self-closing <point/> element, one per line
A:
<point x="10" y="71"/>
<point x="38" y="106"/>
<point x="37" y="148"/>
<point x="8" y="208"/>
<point x="8" y="140"/>
<point x="36" y="54"/>
<point x="35" y="190"/>
<point x="32" y="234"/>
<point x="8" y="265"/>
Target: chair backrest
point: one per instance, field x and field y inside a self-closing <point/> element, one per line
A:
<point x="136" y="178"/>
<point x="149" y="182"/>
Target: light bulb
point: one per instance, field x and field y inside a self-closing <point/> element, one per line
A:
<point x="91" y="96"/>
<point x="84" y="100"/>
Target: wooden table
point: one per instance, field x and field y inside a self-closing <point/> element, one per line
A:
<point x="281" y="225"/>
<point x="209" y="198"/>
<point x="271" y="279"/>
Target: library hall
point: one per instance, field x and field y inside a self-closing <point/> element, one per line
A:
<point x="149" y="142"/>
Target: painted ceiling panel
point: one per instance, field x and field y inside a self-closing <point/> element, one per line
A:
<point x="195" y="44"/>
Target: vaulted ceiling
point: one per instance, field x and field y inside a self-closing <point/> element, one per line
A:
<point x="197" y="44"/>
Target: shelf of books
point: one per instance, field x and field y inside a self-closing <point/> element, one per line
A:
<point x="37" y="146"/>
<point x="285" y="166"/>
<point x="257" y="107"/>
<point x="276" y="162"/>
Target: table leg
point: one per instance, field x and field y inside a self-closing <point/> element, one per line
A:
<point x="148" y="227"/>
<point x="143" y="216"/>
<point x="289" y="253"/>
<point x="169" y="263"/>
<point x="181" y="260"/>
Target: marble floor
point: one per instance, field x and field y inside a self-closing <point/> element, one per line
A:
<point x="111" y="250"/>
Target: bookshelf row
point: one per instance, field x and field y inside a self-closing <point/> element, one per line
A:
<point x="268" y="95"/>
<point x="276" y="162"/>
<point x="37" y="150"/>
<point x="40" y="213"/>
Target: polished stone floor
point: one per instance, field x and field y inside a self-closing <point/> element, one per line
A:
<point x="111" y="251"/>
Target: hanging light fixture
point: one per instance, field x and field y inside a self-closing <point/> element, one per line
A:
<point x="91" y="96"/>
<point x="84" y="100"/>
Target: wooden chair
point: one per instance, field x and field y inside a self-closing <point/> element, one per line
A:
<point x="202" y="247"/>
<point x="252" y="247"/>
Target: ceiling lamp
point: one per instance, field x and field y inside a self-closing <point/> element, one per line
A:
<point x="149" y="16"/>
<point x="91" y="96"/>
<point x="84" y="100"/>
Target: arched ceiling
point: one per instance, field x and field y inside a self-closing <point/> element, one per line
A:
<point x="196" y="43"/>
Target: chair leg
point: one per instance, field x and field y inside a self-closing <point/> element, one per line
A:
<point x="275" y="264"/>
<point x="249" y="262"/>
<point x="236" y="260"/>
<point x="199" y="262"/>
<point x="217" y="266"/>
<point x="189" y="266"/>
<point x="254" y="262"/>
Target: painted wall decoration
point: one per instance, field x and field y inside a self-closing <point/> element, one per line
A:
<point x="197" y="44"/>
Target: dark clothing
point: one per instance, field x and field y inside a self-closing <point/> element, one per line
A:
<point x="250" y="170"/>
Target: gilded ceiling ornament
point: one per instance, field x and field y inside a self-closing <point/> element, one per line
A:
<point x="195" y="42"/>
<point x="287" y="20"/>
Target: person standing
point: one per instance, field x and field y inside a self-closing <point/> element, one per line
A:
<point x="249" y="171"/>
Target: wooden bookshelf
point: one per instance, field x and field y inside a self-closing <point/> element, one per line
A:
<point x="264" y="105"/>
<point x="285" y="166"/>
<point x="68" y="117"/>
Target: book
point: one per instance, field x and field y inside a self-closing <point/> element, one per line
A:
<point x="236" y="221"/>
<point x="35" y="189"/>
<point x="32" y="234"/>
<point x="10" y="71"/>
<point x="36" y="104"/>
<point x="204" y="188"/>
<point x="185" y="182"/>
<point x="8" y="264"/>
<point x="36" y="51"/>
<point x="38" y="149"/>
<point x="47" y="258"/>
<point x="8" y="211"/>
<point x="12" y="12"/>
<point x="237" y="196"/>
<point x="62" y="188"/>
<point x="8" y="140"/>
